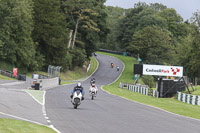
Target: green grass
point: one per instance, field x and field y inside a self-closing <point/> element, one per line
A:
<point x="66" y="82"/>
<point x="93" y="66"/>
<point x="17" y="126"/>
<point x="195" y="92"/>
<point x="6" y="78"/>
<point x="37" y="72"/>
<point x="37" y="94"/>
<point x="78" y="73"/>
<point x="168" y="104"/>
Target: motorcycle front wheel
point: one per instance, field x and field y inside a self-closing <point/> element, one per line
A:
<point x="75" y="106"/>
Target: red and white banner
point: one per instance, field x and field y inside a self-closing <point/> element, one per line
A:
<point x="161" y="70"/>
<point x="14" y="72"/>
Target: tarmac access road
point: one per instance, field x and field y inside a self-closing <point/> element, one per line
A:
<point x="108" y="113"/>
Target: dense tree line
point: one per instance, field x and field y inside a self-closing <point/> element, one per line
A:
<point x="156" y="34"/>
<point x="38" y="33"/>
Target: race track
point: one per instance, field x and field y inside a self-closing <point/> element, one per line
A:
<point x="108" y="113"/>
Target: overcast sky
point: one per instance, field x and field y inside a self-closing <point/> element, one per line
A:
<point x="183" y="7"/>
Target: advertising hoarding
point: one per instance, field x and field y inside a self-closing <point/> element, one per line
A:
<point x="161" y="70"/>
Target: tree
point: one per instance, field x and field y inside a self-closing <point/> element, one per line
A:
<point x="16" y="27"/>
<point x="152" y="44"/>
<point x="149" y="17"/>
<point x="127" y="27"/>
<point x="50" y="32"/>
<point x="173" y="20"/>
<point x="157" y="6"/>
<point x="115" y="14"/>
<point x="189" y="47"/>
<point x="87" y="19"/>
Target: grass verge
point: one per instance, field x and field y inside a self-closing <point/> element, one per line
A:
<point x="17" y="126"/>
<point x="37" y="94"/>
<point x="78" y="73"/>
<point x="6" y="78"/>
<point x="168" y="104"/>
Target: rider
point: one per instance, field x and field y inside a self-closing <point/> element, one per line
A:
<point x="112" y="65"/>
<point x="92" y="81"/>
<point x="78" y="87"/>
<point x="117" y="68"/>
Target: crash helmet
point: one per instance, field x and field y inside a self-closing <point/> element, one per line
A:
<point x="79" y="84"/>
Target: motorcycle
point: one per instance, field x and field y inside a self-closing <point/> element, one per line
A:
<point x="76" y="99"/>
<point x="117" y="68"/>
<point x="93" y="92"/>
<point x="112" y="65"/>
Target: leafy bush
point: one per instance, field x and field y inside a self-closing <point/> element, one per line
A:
<point x="78" y="57"/>
<point x="148" y="80"/>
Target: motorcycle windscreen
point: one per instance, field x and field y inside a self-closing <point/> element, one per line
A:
<point x="78" y="92"/>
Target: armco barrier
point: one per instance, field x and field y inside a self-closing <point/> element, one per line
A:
<point x="188" y="98"/>
<point x="10" y="74"/>
<point x="7" y="73"/>
<point x="143" y="89"/>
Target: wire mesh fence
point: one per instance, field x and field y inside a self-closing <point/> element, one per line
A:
<point x="53" y="71"/>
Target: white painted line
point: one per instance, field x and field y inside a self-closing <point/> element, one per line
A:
<point x="45" y="114"/>
<point x="43" y="111"/>
<point x="52" y="127"/>
<point x="22" y="118"/>
<point x="16" y="117"/>
<point x="33" y="97"/>
<point x="44" y="99"/>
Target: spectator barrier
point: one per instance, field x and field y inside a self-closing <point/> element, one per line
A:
<point x="143" y="89"/>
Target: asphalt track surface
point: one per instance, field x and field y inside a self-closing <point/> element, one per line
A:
<point x="17" y="104"/>
<point x="108" y="113"/>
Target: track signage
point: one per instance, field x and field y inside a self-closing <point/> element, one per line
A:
<point x="14" y="72"/>
<point x="161" y="70"/>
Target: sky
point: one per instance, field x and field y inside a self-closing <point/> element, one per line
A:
<point x="185" y="8"/>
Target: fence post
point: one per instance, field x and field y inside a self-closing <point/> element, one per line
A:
<point x="120" y="85"/>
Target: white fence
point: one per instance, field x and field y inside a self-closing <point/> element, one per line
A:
<point x="143" y="89"/>
<point x="188" y="98"/>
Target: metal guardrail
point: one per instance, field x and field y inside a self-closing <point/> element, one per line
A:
<point x="116" y="52"/>
<point x="10" y="74"/>
<point x="143" y="89"/>
<point x="7" y="73"/>
<point x="188" y="98"/>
